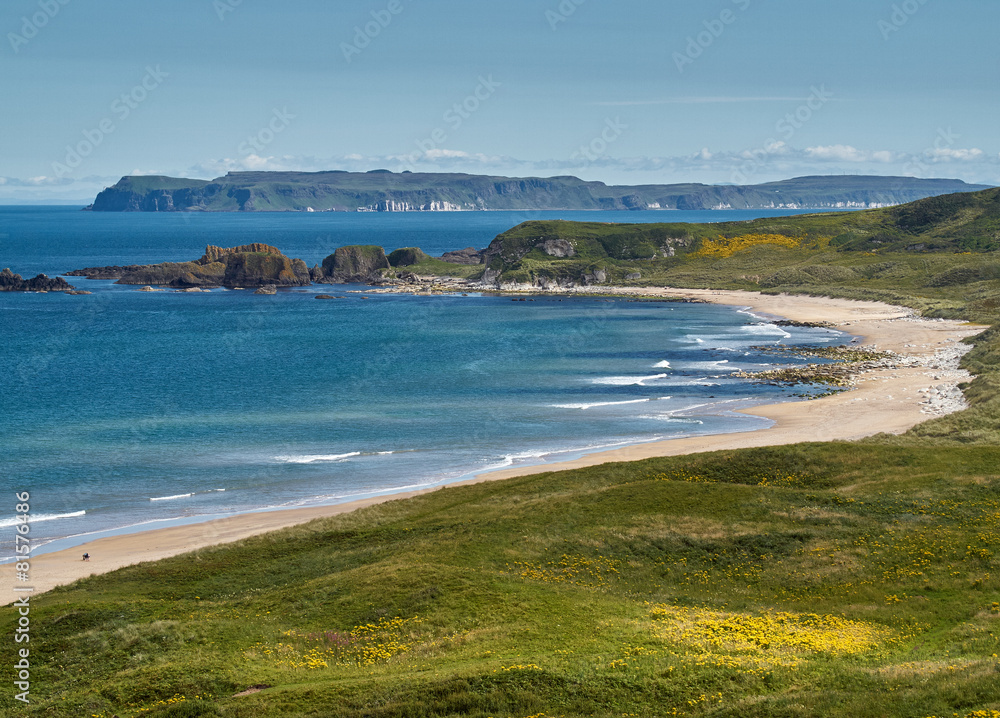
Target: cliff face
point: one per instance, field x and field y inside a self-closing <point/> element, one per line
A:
<point x="10" y="282"/>
<point x="354" y="265"/>
<point x="251" y="265"/>
<point x="432" y="192"/>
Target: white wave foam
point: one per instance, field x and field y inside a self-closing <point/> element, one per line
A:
<point x="707" y="365"/>
<point x="662" y="365"/>
<point x="748" y="311"/>
<point x="36" y="518"/>
<point x="766" y="330"/>
<point x="170" y="498"/>
<point x="603" y="403"/>
<point x="315" y="458"/>
<point x="509" y="459"/>
<point x="671" y="419"/>
<point x="627" y="380"/>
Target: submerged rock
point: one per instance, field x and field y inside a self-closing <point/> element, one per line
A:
<point x="267" y="289"/>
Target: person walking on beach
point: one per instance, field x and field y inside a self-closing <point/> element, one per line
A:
<point x="86" y="557"/>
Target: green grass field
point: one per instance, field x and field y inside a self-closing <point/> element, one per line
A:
<point x="820" y="579"/>
<point x="843" y="579"/>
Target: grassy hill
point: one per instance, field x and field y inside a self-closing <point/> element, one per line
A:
<point x="844" y="579"/>
<point x="836" y="580"/>
<point x="925" y="246"/>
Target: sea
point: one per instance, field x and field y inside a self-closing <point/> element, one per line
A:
<point x="123" y="411"/>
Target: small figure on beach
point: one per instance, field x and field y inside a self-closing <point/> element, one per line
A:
<point x="86" y="557"/>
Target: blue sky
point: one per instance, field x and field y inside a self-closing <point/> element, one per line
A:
<point x="626" y="92"/>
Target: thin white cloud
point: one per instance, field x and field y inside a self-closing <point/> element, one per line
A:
<point x="948" y="154"/>
<point x="842" y="153"/>
<point x="439" y="154"/>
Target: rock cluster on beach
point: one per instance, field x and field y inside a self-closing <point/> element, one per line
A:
<point x="942" y="367"/>
<point x="945" y="396"/>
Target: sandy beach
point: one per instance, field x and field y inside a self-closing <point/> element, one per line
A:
<point x="920" y="385"/>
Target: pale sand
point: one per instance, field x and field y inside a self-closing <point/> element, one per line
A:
<point x="883" y="401"/>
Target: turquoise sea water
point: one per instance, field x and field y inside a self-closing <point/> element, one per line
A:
<point x="128" y="409"/>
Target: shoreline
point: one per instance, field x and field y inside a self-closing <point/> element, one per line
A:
<point x="885" y="400"/>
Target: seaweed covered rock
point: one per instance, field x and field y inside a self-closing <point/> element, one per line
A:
<point x="354" y="264"/>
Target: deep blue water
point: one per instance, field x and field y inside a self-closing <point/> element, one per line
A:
<point x="146" y="407"/>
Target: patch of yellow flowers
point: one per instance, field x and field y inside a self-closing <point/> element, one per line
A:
<point x="771" y="632"/>
<point x="723" y="247"/>
<point x="779" y="479"/>
<point x="365" y="645"/>
<point x="578" y="570"/>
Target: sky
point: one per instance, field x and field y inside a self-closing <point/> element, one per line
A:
<point x="625" y="92"/>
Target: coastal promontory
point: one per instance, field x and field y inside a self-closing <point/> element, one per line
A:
<point x="385" y="191"/>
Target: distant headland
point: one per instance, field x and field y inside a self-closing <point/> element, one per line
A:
<point x="385" y="191"/>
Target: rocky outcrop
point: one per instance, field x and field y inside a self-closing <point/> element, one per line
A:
<point x="469" y="256"/>
<point x="112" y="272"/>
<point x="251" y="265"/>
<point x="559" y="248"/>
<point x="407" y="256"/>
<point x="359" y="264"/>
<point x="10" y="282"/>
<point x="217" y="254"/>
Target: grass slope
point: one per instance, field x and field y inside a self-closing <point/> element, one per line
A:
<point x="930" y="244"/>
<point x="821" y="579"/>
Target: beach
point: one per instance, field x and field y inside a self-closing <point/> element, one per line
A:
<point x="918" y="385"/>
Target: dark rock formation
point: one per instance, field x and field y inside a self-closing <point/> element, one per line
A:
<point x="10" y="282"/>
<point x="469" y="255"/>
<point x="267" y="289"/>
<point x="407" y="256"/>
<point x="353" y="265"/>
<point x="113" y="272"/>
<point x="251" y="265"/>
